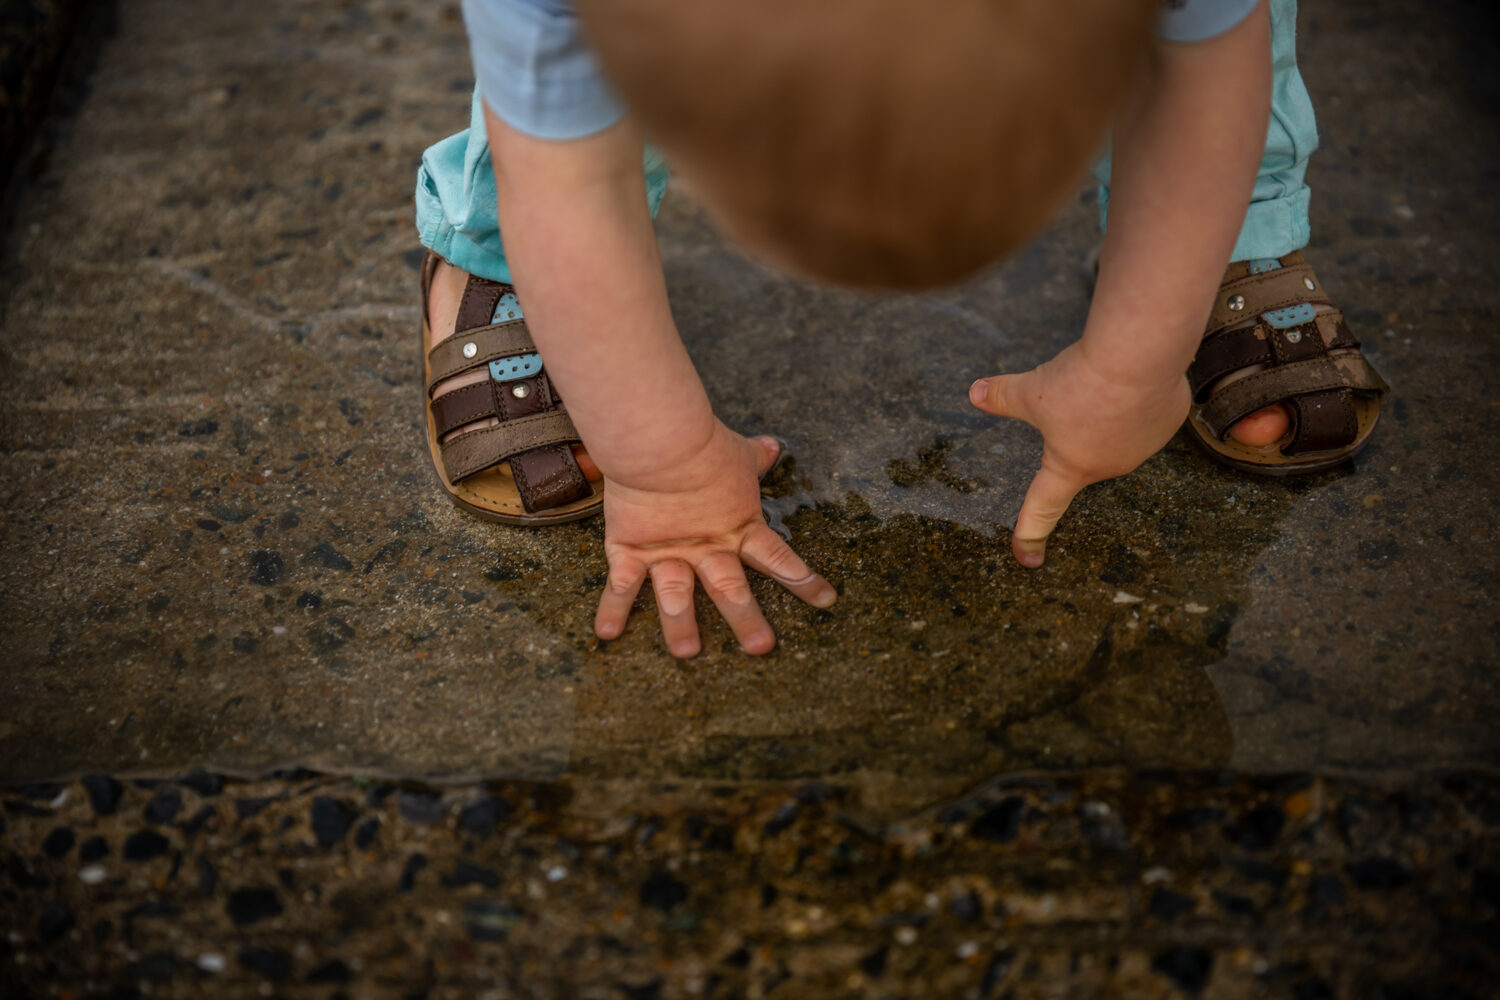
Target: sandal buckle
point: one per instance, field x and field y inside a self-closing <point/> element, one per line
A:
<point x="516" y="366"/>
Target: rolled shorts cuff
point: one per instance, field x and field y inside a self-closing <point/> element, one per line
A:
<point x="1274" y="228"/>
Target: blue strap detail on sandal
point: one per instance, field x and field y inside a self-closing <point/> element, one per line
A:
<point x="1262" y="265"/>
<point x="516" y="366"/>
<point x="1283" y="319"/>
<point x="507" y="309"/>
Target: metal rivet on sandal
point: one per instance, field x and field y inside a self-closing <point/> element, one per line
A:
<point x="1308" y="284"/>
<point x="1236" y="303"/>
<point x="1294" y="336"/>
<point x="471" y="349"/>
<point x="520" y="390"/>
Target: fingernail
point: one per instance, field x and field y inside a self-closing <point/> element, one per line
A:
<point x="825" y="598"/>
<point x="1030" y="554"/>
<point x="760" y="642"/>
<point x="673" y="605"/>
<point x="977" y="391"/>
<point x="607" y="631"/>
<point x="684" y="650"/>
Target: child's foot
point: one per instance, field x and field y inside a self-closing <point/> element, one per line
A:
<point x="1279" y="384"/>
<point x="443" y="298"/>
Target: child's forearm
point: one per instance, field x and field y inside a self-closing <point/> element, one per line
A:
<point x="1185" y="160"/>
<point x="579" y="242"/>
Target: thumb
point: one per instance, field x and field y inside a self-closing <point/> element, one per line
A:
<point x="1002" y="396"/>
<point x="1046" y="500"/>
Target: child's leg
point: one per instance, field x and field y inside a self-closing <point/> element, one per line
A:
<point x="458" y="220"/>
<point x="1276" y="222"/>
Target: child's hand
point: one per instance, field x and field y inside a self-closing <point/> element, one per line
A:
<point x="702" y="517"/>
<point x="1092" y="429"/>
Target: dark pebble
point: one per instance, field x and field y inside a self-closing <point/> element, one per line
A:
<point x="331" y="820"/>
<point x="421" y="807"/>
<point x="245" y="808"/>
<point x="482" y="816"/>
<point x="208" y="876"/>
<point x="23" y="876"/>
<point x="271" y="963"/>
<point x="662" y="892"/>
<point x="202" y="782"/>
<point x="199" y="820"/>
<point x="781" y="819"/>
<point x="198" y="428"/>
<point x="1312" y="989"/>
<point x="40" y="791"/>
<point x="327" y="556"/>
<point x="1000" y="822"/>
<point x="414" y="864"/>
<point x="104" y="793"/>
<point x="1326" y="890"/>
<point x="144" y="845"/>
<point x="332" y="971"/>
<point x="160" y="965"/>
<point x="93" y="849"/>
<point x="996" y="971"/>
<point x="1191" y="819"/>
<point x="1487" y="886"/>
<point x="246" y="906"/>
<point x="164" y="805"/>
<point x="1169" y="905"/>
<point x="467" y="874"/>
<point x="286" y="877"/>
<point x="1258" y="829"/>
<point x="364" y="835"/>
<point x="873" y="964"/>
<point x="59" y="842"/>
<point x="738" y="959"/>
<point x="1259" y="871"/>
<point x="55" y="921"/>
<point x="649" y="990"/>
<point x="968" y="907"/>
<point x="307" y="599"/>
<point x="1189" y="968"/>
<point x="1236" y="905"/>
<point x="489" y="921"/>
<point x="1381" y="874"/>
<point x="266" y="567"/>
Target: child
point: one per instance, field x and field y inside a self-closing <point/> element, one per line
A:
<point x="827" y="141"/>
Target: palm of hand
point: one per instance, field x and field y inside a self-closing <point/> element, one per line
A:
<point x="701" y="521"/>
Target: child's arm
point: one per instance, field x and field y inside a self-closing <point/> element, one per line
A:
<point x="1185" y="160"/>
<point x="681" y="490"/>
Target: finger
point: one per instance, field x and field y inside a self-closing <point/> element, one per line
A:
<point x="1001" y="395"/>
<point x="724" y="578"/>
<point x="673" y="583"/>
<point x="625" y="579"/>
<point x="766" y="551"/>
<point x="1048" y="497"/>
<point x="767" y="453"/>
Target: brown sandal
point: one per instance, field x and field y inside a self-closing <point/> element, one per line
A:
<point x="518" y="468"/>
<point x="1273" y="326"/>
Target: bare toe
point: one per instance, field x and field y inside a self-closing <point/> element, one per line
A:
<point x="1263" y="427"/>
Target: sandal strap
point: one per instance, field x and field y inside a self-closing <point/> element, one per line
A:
<point x="1298" y="378"/>
<point x="1224" y="353"/>
<point x="478" y="450"/>
<point x="492" y="341"/>
<point x="1256" y="294"/>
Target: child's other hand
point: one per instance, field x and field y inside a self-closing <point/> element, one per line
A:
<point x="702" y="518"/>
<point x="1092" y="429"/>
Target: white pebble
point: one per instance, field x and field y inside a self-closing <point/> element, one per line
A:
<point x="212" y="961"/>
<point x="1123" y="598"/>
<point x="556" y="873"/>
<point x="968" y="949"/>
<point x="1194" y="609"/>
<point x="1151" y="876"/>
<point x="91" y="874"/>
<point x="906" y="935"/>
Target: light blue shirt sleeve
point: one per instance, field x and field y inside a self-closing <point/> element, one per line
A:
<point x="535" y="69"/>
<point x="1197" y="20"/>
